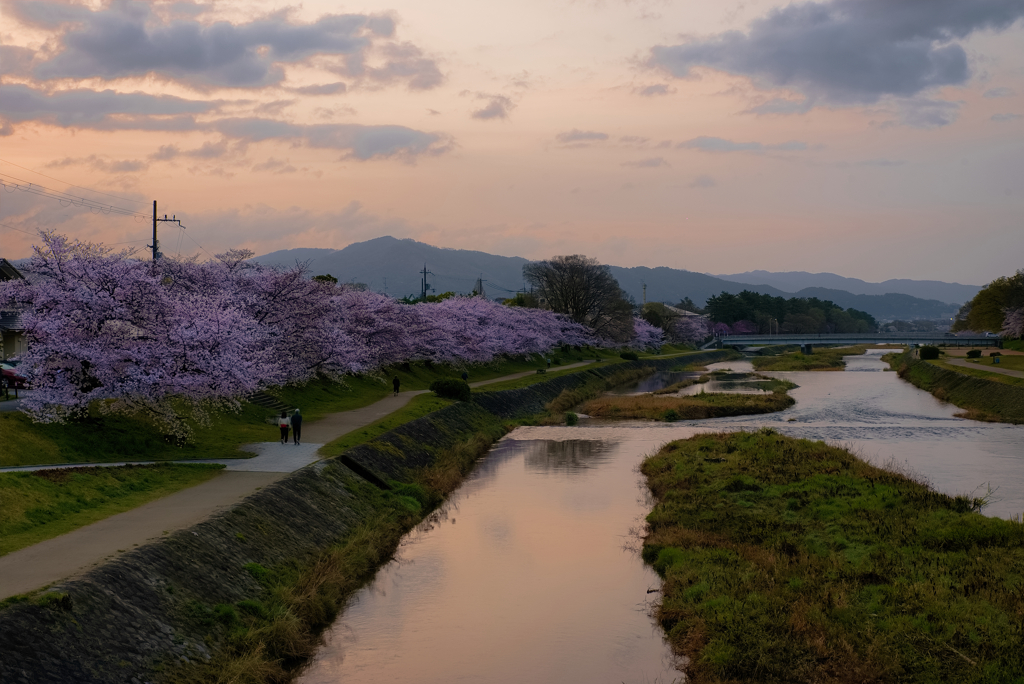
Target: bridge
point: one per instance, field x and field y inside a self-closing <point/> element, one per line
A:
<point x="815" y="339"/>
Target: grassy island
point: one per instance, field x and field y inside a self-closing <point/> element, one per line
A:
<point x="791" y="560"/>
<point x="698" y="406"/>
<point x="821" y="359"/>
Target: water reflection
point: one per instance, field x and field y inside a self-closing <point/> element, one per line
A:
<point x="525" y="577"/>
<point x="568" y="455"/>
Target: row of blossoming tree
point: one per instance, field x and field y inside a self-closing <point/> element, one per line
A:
<point x="179" y="338"/>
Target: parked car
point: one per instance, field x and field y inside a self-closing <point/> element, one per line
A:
<point x="15" y="380"/>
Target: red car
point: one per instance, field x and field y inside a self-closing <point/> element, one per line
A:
<point x="13" y="379"/>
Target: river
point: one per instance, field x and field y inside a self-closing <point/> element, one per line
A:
<point x="529" y="573"/>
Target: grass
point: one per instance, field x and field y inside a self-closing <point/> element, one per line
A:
<point x="40" y="505"/>
<point x="979" y="372"/>
<point x="698" y="406"/>
<point x="1015" y="345"/>
<point x="418" y="407"/>
<point x="789" y="560"/>
<point x="821" y="359"/>
<point x="593" y="387"/>
<point x="100" y="438"/>
<point x="1005" y="362"/>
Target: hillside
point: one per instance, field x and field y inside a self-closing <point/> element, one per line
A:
<point x="393" y="266"/>
<point x="794" y="281"/>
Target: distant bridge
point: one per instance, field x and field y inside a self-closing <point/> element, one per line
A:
<point x="859" y="338"/>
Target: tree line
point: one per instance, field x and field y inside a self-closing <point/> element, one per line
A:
<point x="752" y="312"/>
<point x="998" y="307"/>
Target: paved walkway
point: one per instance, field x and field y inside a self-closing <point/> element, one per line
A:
<point x="77" y="551"/>
<point x="986" y="367"/>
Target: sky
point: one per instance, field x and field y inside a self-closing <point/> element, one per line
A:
<point x="870" y="138"/>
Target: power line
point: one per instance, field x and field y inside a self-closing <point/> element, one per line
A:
<point x="72" y="184"/>
<point x="64" y="198"/>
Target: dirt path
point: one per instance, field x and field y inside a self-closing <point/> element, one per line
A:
<point x="75" y="552"/>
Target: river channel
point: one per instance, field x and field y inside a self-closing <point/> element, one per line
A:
<point x="528" y="573"/>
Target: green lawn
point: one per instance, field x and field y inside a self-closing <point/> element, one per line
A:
<point x="418" y="407"/>
<point x="43" y="504"/>
<point x="980" y="372"/>
<point x="789" y="560"/>
<point x="100" y="438"/>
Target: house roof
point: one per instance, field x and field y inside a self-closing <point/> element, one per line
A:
<point x="11" y="320"/>
<point x="8" y="272"/>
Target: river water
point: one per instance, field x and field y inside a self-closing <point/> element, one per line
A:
<point x="527" y="575"/>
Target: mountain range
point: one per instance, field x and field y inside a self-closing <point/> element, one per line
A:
<point x="394" y="267"/>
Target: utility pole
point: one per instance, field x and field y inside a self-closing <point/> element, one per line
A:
<point x="645" y="292"/>
<point x="424" y="284"/>
<point x="156" y="244"/>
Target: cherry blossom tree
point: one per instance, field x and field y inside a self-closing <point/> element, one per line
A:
<point x="647" y="336"/>
<point x="691" y="329"/>
<point x="1013" y="323"/>
<point x="175" y="340"/>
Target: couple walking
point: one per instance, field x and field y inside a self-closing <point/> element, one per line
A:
<point x="294" y="423"/>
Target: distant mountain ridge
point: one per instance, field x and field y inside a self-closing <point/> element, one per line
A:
<point x="394" y="266"/>
<point x="794" y="281"/>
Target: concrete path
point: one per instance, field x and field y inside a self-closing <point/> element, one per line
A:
<point x="78" y="551"/>
<point x="75" y="552"/>
<point x="987" y="368"/>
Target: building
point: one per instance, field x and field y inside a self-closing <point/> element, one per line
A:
<point x="12" y="332"/>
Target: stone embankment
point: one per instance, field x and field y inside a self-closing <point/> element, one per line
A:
<point x="144" y="612"/>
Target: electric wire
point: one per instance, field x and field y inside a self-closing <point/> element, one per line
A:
<point x="66" y="199"/>
<point x="99" y="192"/>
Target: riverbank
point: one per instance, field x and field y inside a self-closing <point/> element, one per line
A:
<point x="791" y="560"/>
<point x="242" y="595"/>
<point x="981" y="398"/>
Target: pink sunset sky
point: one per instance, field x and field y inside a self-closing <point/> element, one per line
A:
<point x="871" y="138"/>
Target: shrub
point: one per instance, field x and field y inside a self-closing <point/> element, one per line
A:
<point x="451" y="388"/>
<point x="571" y="418"/>
<point x="670" y="416"/>
<point x="974" y="354"/>
<point x="995" y="353"/>
<point x="929" y="352"/>
<point x="629" y="356"/>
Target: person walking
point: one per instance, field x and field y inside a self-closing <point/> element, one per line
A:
<point x="284" y="424"/>
<point x="397" y="383"/>
<point x="296" y="426"/>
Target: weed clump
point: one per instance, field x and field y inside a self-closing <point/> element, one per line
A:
<point x="629" y="356"/>
<point x="451" y="388"/>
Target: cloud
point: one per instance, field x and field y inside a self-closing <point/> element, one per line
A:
<point x="102" y="164"/>
<point x="322" y="89"/>
<point x="706" y="143"/>
<point x="1000" y="92"/>
<point x="578" y="136"/>
<point x="104" y="110"/>
<point x="925" y="113"/>
<point x="1005" y="117"/>
<point x="703" y="181"/>
<point x="847" y="52"/>
<point x="651" y="163"/>
<point x="360" y="142"/>
<point x="653" y="90"/>
<point x="134" y="39"/>
<point x="15" y="60"/>
<point x="109" y="110"/>
<point x="498" y="107"/>
<point x="276" y="166"/>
